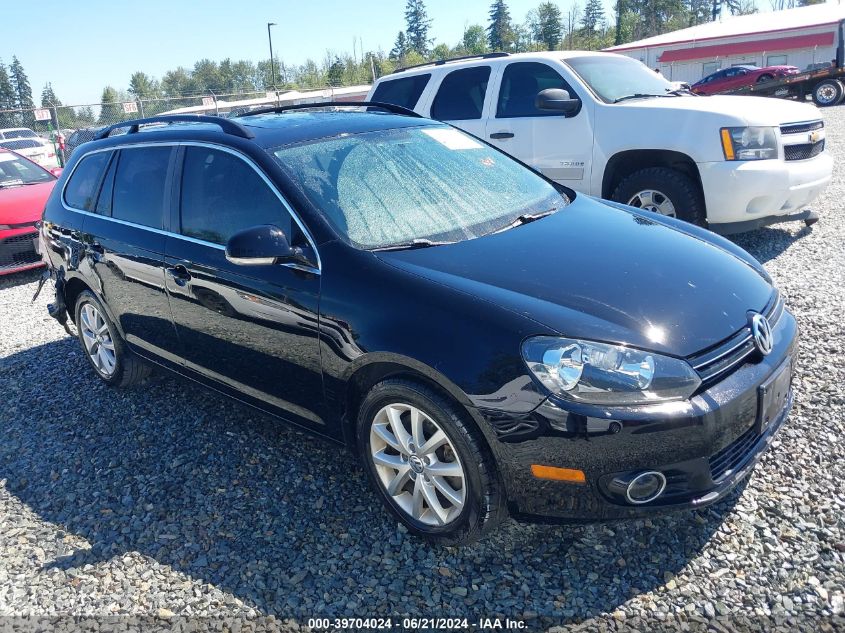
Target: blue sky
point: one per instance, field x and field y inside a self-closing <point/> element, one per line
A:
<point x="83" y="45"/>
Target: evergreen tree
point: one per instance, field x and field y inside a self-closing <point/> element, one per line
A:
<point x="400" y="48"/>
<point x="417" y="25"/>
<point x="592" y="21"/>
<point x="549" y="25"/>
<point x="500" y="31"/>
<point x="7" y="93"/>
<point x="335" y="72"/>
<point x="48" y="97"/>
<point x="110" y="110"/>
<point x="142" y="86"/>
<point x="20" y="85"/>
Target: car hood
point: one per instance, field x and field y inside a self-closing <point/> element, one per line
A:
<point x="19" y="205"/>
<point x="732" y="110"/>
<point x="602" y="273"/>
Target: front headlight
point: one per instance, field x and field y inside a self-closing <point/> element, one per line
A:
<point x="749" y="143"/>
<point x="600" y="373"/>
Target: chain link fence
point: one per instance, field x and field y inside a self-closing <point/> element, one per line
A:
<point x="68" y="126"/>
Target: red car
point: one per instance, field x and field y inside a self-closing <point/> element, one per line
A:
<point x="735" y="77"/>
<point x="24" y="188"/>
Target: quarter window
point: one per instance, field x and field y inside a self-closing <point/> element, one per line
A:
<point x="461" y="94"/>
<point x="139" y="185"/>
<point x="81" y="189"/>
<point x="520" y="84"/>
<point x="403" y="92"/>
<point x="222" y="194"/>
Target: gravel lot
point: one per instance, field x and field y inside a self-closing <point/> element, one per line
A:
<point x="166" y="502"/>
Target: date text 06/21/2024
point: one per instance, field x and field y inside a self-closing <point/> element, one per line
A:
<point x="410" y="623"/>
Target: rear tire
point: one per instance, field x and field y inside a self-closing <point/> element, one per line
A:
<point x="828" y="93"/>
<point x="103" y="347"/>
<point x="764" y="78"/>
<point x="663" y="190"/>
<point x="453" y="509"/>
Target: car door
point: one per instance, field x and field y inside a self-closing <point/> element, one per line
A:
<point x="124" y="240"/>
<point x="460" y="98"/>
<point x="560" y="147"/>
<point x="251" y="329"/>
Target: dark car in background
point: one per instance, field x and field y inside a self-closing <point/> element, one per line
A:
<point x="78" y="137"/>
<point x="736" y="77"/>
<point x="486" y="342"/>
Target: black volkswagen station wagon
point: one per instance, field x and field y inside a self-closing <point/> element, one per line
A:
<point x="487" y="341"/>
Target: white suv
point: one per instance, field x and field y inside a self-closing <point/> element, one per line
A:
<point x="608" y="126"/>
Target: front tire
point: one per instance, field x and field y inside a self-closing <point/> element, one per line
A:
<point x="428" y="463"/>
<point x="764" y="78"/>
<point x="103" y="347"/>
<point x="665" y="191"/>
<point x="828" y="93"/>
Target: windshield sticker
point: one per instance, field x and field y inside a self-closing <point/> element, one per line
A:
<point x="452" y="139"/>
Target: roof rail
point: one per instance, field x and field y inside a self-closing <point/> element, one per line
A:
<point x="389" y="107"/>
<point x="227" y="125"/>
<point x="440" y="62"/>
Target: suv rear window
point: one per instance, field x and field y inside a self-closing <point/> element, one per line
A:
<point x="139" y="185"/>
<point x="81" y="189"/>
<point x="461" y="94"/>
<point x="404" y="92"/>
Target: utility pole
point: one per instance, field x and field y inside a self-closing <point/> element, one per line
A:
<point x="272" y="63"/>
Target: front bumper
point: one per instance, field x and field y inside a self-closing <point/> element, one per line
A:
<point x="18" y="250"/>
<point x="704" y="446"/>
<point x="767" y="190"/>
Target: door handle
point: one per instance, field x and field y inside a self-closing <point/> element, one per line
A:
<point x="499" y="135"/>
<point x="179" y="274"/>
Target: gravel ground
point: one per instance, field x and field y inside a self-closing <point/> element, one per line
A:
<point x="166" y="502"/>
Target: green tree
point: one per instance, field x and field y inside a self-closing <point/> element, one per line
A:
<point x="400" y="48"/>
<point x="48" y="97"/>
<point x="442" y="51"/>
<point x="500" y="30"/>
<point x="206" y="76"/>
<point x="549" y="25"/>
<point x="475" y="41"/>
<point x="110" y="108"/>
<point x="177" y="83"/>
<point x="417" y="24"/>
<point x="142" y="86"/>
<point x="7" y="92"/>
<point x="592" y="22"/>
<point x="20" y="85"/>
<point x="335" y="72"/>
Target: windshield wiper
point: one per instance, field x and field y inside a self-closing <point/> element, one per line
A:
<point x="415" y="243"/>
<point x="526" y="218"/>
<point x="642" y="95"/>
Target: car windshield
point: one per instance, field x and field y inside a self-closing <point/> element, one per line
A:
<point x="19" y="134"/>
<point x="615" y="78"/>
<point x="16" y="145"/>
<point x="414" y="186"/>
<point x="15" y="171"/>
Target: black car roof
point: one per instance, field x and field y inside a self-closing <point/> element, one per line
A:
<point x="273" y="130"/>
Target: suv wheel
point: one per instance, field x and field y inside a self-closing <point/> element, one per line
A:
<point x="427" y="464"/>
<point x="662" y="190"/>
<point x="103" y="347"/>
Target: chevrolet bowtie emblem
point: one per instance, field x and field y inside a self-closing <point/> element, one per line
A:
<point x="814" y="136"/>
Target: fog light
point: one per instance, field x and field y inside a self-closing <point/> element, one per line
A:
<point x="645" y="487"/>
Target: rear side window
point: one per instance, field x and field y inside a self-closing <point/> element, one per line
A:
<point x="461" y="94"/>
<point x="403" y="92"/>
<point x="222" y="194"/>
<point x="521" y="82"/>
<point x="81" y="190"/>
<point x="139" y="185"/>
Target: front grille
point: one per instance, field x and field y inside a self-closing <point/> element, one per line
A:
<point x="726" y="461"/>
<point x="18" y="251"/>
<point x="800" y="128"/>
<point x="726" y="356"/>
<point x="803" y="151"/>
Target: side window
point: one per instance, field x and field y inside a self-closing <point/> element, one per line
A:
<point x="461" y="94"/>
<point x="222" y="194"/>
<point x="403" y="92"/>
<point x="139" y="185"/>
<point x="104" y="201"/>
<point x="521" y="82"/>
<point x="81" y="189"/>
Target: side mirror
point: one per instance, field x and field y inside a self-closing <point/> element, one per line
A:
<point x="557" y="100"/>
<point x="56" y="171"/>
<point x="261" y="245"/>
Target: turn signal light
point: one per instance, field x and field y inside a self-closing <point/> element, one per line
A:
<point x="572" y="475"/>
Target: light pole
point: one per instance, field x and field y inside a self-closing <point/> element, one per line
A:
<point x="272" y="63"/>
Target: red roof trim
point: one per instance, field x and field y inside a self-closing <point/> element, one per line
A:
<point x="753" y="46"/>
<point x="616" y="49"/>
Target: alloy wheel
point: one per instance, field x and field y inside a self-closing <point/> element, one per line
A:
<point x="97" y="339"/>
<point x="417" y="464"/>
<point x="653" y="200"/>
